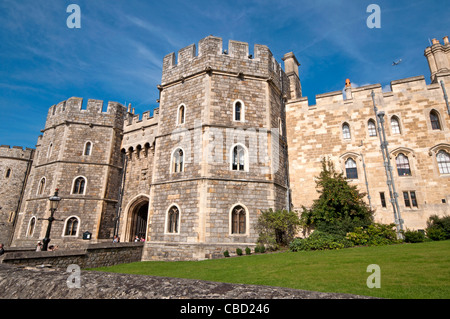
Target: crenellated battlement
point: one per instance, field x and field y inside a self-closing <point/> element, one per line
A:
<point x="72" y="110"/>
<point x="18" y="152"/>
<point x="140" y="132"/>
<point x="137" y="121"/>
<point x="354" y="95"/>
<point x="211" y="56"/>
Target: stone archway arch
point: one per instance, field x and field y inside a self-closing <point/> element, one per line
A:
<point x="136" y="218"/>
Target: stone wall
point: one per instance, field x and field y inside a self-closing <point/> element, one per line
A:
<point x="94" y="255"/>
<point x="315" y="132"/>
<point x="15" y="164"/>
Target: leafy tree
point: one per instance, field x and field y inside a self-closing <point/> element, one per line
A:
<point x="277" y="227"/>
<point x="340" y="207"/>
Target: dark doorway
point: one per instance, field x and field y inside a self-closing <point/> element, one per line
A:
<point x="139" y="223"/>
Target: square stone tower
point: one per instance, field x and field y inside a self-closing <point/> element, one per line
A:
<point x="79" y="154"/>
<point x="216" y="157"/>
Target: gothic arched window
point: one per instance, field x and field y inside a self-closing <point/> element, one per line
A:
<point x="79" y="185"/>
<point x="178" y="161"/>
<point x="372" y="128"/>
<point x="31" y="226"/>
<point x="346" y="131"/>
<point x="351" y="169"/>
<point x="238" y="220"/>
<point x="434" y="119"/>
<point x="443" y="160"/>
<point x="87" y="148"/>
<point x="238" y="158"/>
<point x="403" y="167"/>
<point x="181" y="114"/>
<point x="41" y="186"/>
<point x="71" y="227"/>
<point x="173" y="216"/>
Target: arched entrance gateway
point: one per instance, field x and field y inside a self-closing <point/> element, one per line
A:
<point x="137" y="219"/>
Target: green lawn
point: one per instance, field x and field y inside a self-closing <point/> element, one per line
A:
<point x="407" y="271"/>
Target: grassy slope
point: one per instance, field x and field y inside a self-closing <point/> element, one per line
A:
<point x="407" y="271"/>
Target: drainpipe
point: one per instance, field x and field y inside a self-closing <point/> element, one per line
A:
<point x="445" y="97"/>
<point x="119" y="202"/>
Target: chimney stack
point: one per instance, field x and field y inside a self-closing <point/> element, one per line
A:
<point x="348" y="90"/>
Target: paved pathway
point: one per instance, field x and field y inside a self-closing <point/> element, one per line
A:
<point x="32" y="283"/>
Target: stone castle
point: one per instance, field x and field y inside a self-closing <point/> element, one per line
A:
<point x="232" y="136"/>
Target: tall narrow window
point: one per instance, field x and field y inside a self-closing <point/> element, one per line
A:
<point x="350" y="169"/>
<point x="238" y="220"/>
<point x="238" y="161"/>
<point x="372" y="128"/>
<point x="49" y="151"/>
<point x="177" y="161"/>
<point x="237" y="111"/>
<point x="8" y="173"/>
<point x="31" y="227"/>
<point x="41" y="186"/>
<point x="406" y="199"/>
<point x="403" y="167"/>
<point x="443" y="160"/>
<point x="87" y="148"/>
<point x="346" y="131"/>
<point x="434" y="119"/>
<point x="413" y="198"/>
<point x="71" y="227"/>
<point x="395" y="125"/>
<point x="181" y="114"/>
<point x="383" y="199"/>
<point x="79" y="185"/>
<point x="172" y="219"/>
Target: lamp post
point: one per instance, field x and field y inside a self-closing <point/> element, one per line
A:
<point x="54" y="202"/>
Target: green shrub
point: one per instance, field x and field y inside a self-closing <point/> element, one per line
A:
<point x="226" y="253"/>
<point x="438" y="228"/>
<point x="436" y="233"/>
<point x="373" y="235"/>
<point x="239" y="251"/>
<point x="248" y="251"/>
<point x="319" y="241"/>
<point x="341" y="227"/>
<point x="414" y="236"/>
<point x="260" y="249"/>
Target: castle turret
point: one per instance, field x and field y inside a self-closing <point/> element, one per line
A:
<point x="78" y="153"/>
<point x="438" y="57"/>
<point x="291" y="68"/>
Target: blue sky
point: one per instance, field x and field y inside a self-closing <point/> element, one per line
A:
<point x="117" y="53"/>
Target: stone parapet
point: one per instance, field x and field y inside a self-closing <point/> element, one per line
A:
<point x="94" y="255"/>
